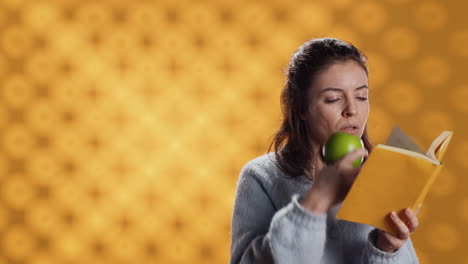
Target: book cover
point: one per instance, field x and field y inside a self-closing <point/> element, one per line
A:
<point x="395" y="176"/>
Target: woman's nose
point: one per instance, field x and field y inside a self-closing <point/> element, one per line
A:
<point x="350" y="109"/>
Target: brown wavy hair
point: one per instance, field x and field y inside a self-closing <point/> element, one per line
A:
<point x="292" y="144"/>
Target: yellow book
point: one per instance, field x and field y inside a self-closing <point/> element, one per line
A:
<point x="395" y="176"/>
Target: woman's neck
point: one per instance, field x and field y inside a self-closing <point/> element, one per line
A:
<point x="317" y="162"/>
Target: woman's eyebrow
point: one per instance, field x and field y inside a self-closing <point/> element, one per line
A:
<point x="339" y="90"/>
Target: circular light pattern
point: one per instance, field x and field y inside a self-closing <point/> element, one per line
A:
<point x="431" y="15"/>
<point x="369" y="17"/>
<point x="40" y="16"/>
<point x="17" y="192"/>
<point x="460" y="151"/>
<point x="17" y="91"/>
<point x="3" y="17"/>
<point x="42" y="67"/>
<point x="432" y="123"/>
<point x="313" y="17"/>
<point x="444" y="237"/>
<point x="16" y="41"/>
<point x="94" y="15"/>
<point x="345" y="33"/>
<point x="402" y="97"/>
<point x="445" y="184"/>
<point x="17" y="141"/>
<point x="457" y="38"/>
<point x="17" y="244"/>
<point x="43" y="219"/>
<point x="341" y="4"/>
<point x="400" y="43"/>
<point x="463" y="209"/>
<point x="379" y="125"/>
<point x="459" y="98"/>
<point x="379" y="69"/>
<point x="3" y="66"/>
<point x="4" y="218"/>
<point x="433" y="70"/>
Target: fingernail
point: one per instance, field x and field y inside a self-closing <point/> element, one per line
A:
<point x="407" y="211"/>
<point x="393" y="214"/>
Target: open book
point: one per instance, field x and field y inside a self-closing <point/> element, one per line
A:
<point x="395" y="176"/>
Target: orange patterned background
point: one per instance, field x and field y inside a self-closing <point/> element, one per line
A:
<point x="124" y="124"/>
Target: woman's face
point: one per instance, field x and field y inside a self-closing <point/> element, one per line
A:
<point x="338" y="101"/>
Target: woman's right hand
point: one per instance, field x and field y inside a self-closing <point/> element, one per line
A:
<point x="332" y="183"/>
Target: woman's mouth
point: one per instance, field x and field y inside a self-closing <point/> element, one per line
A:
<point x="350" y="129"/>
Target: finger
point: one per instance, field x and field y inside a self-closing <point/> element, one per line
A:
<point x="418" y="209"/>
<point x="345" y="165"/>
<point x="348" y="159"/>
<point x="401" y="228"/>
<point x="390" y="242"/>
<point x="411" y="220"/>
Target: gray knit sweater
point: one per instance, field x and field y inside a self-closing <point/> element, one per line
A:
<point x="270" y="226"/>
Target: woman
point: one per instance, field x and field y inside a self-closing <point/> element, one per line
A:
<point x="286" y="201"/>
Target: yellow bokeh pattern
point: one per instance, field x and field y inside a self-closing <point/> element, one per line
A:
<point x="124" y="124"/>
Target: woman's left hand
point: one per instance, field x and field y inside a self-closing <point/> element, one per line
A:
<point x="405" y="224"/>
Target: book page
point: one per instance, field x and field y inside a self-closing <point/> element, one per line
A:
<point x="409" y="153"/>
<point x="400" y="140"/>
<point x="437" y="149"/>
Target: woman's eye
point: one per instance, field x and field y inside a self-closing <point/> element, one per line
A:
<point x="331" y="101"/>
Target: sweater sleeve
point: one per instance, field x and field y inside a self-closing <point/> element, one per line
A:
<point x="372" y="255"/>
<point x="262" y="234"/>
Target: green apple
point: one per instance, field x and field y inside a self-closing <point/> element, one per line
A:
<point x="338" y="145"/>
